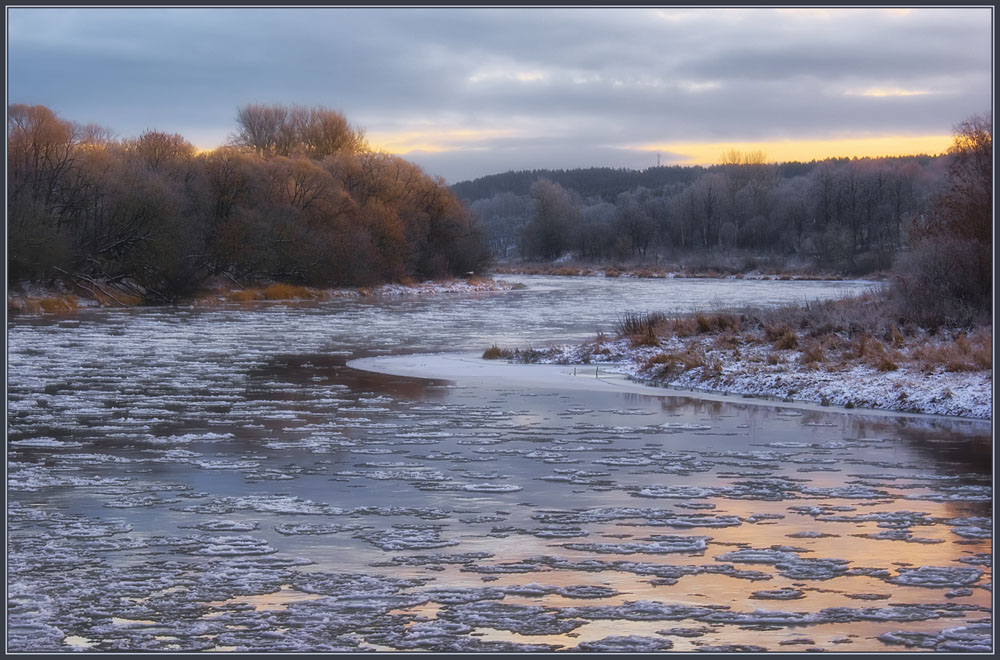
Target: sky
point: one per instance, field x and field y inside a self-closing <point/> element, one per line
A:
<point x="466" y="92"/>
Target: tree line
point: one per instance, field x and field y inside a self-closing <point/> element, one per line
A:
<point x="296" y="196"/>
<point x="851" y="215"/>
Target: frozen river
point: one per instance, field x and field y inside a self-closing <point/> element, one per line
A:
<point x="185" y="479"/>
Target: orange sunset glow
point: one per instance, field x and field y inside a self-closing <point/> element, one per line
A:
<point x="709" y="153"/>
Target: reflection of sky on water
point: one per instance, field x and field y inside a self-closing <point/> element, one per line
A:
<point x="220" y="451"/>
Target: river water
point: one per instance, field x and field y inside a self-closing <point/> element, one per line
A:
<point x="220" y="479"/>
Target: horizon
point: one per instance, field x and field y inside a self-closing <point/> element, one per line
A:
<point x="459" y="92"/>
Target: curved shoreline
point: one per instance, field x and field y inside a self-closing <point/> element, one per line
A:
<point x="468" y="368"/>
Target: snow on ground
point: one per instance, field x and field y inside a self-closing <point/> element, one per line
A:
<point x="907" y="389"/>
<point x="435" y="287"/>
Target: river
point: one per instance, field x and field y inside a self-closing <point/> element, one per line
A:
<point x="220" y="479"/>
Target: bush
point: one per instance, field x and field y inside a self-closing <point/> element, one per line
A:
<point x="494" y="352"/>
<point x="788" y="340"/>
<point x="631" y="324"/>
<point x="938" y="284"/>
<point x="812" y="353"/>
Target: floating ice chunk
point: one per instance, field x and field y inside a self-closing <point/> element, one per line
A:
<point x="559" y="532"/>
<point x="625" y="644"/>
<point x="521" y="619"/>
<point x="303" y="529"/>
<point x="226" y="526"/>
<point x="978" y="559"/>
<point x="220" y="464"/>
<point x="868" y="596"/>
<point x="406" y="537"/>
<point x="812" y="569"/>
<point x="641" y="610"/>
<point x="674" y="492"/>
<point x="434" y="561"/>
<point x="657" y="545"/>
<point x="624" y="460"/>
<point x="965" y="493"/>
<point x="43" y="442"/>
<point x="686" y="632"/>
<point x="229" y="546"/>
<point x="280" y="504"/>
<point x="937" y="576"/>
<point x="753" y="556"/>
<point x="353" y="585"/>
<point x="853" y="492"/>
<point x="685" y="427"/>
<point x="133" y="501"/>
<point x="786" y="593"/>
<point x="490" y="488"/>
<point x="192" y="437"/>
<point x="972" y="528"/>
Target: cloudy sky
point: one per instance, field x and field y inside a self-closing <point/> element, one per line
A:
<point x="466" y="92"/>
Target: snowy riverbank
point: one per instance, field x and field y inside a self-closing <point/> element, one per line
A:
<point x="762" y="371"/>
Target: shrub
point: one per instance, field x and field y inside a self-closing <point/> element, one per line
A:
<point x="788" y="340"/>
<point x="727" y="340"/>
<point x="704" y="325"/>
<point x="812" y="352"/>
<point x="777" y="330"/>
<point x="938" y="284"/>
<point x="528" y="355"/>
<point x="494" y="352"/>
<point x="885" y="363"/>
<point x="631" y="324"/>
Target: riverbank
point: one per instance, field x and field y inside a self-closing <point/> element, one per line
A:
<point x="63" y="296"/>
<point x="666" y="272"/>
<point x="780" y="374"/>
<point x="839" y="353"/>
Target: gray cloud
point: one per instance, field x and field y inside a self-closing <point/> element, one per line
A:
<point x="591" y="79"/>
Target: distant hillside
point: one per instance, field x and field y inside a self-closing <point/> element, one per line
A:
<point x="607" y="183"/>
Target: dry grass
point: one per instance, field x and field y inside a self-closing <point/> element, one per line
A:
<point x="45" y="305"/>
<point x="813" y="352"/>
<point x="631" y="323"/>
<point x="277" y="291"/>
<point x="244" y="295"/>
<point x="494" y="352"/>
<point x="727" y="340"/>
<point x="717" y="322"/>
<point x="829" y="335"/>
<point x="53" y="305"/>
<point x="674" y="363"/>
<point x="966" y="352"/>
<point x="287" y="292"/>
<point x="787" y="341"/>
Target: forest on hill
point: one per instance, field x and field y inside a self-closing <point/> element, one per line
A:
<point x="297" y="196"/>
<point x="847" y="215"/>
